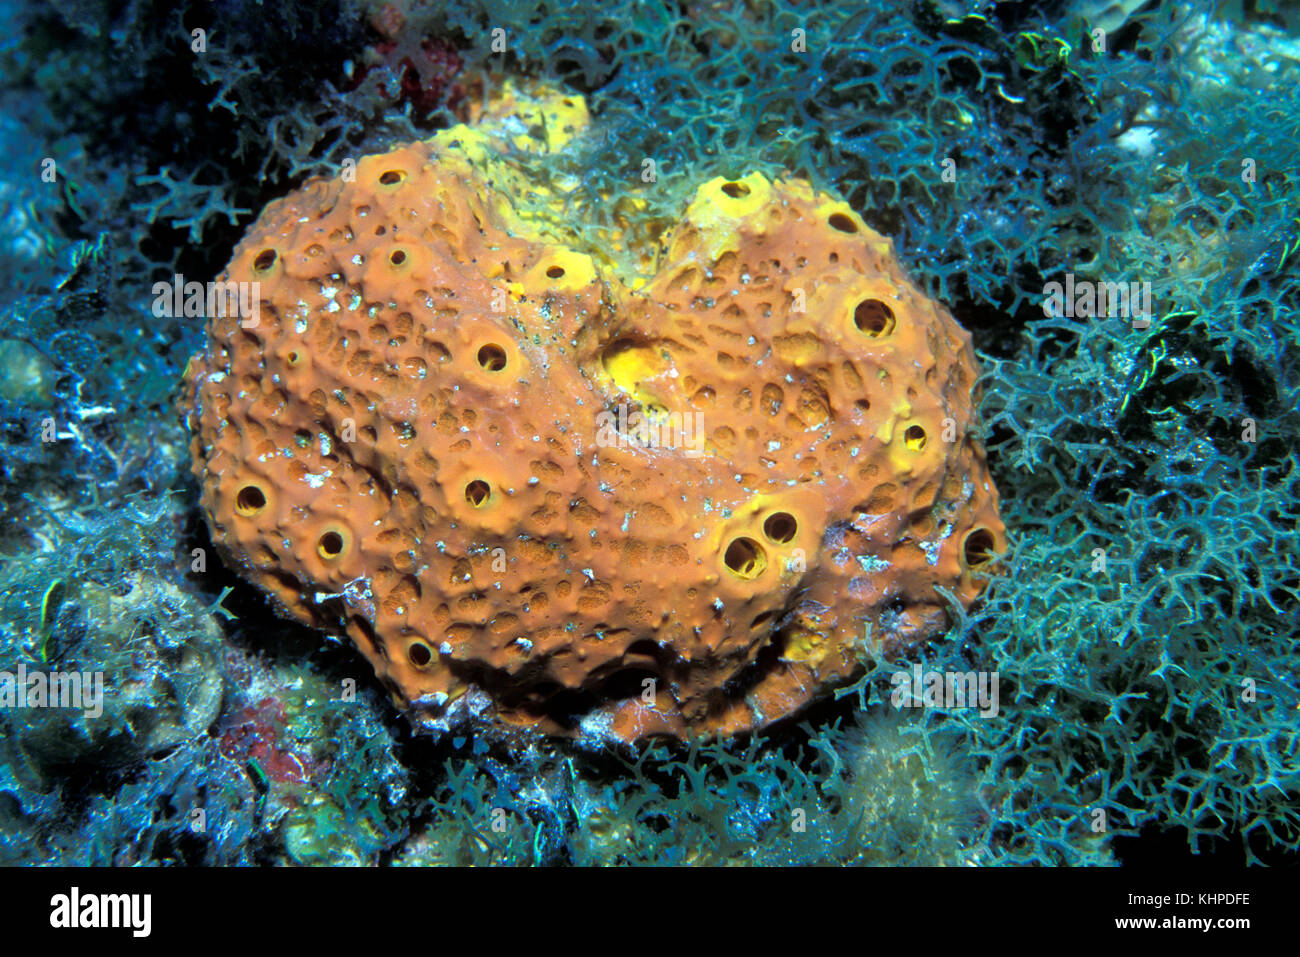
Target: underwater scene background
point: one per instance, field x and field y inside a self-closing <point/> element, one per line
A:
<point x="1136" y="624"/>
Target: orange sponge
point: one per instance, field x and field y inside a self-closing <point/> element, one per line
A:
<point x="529" y="493"/>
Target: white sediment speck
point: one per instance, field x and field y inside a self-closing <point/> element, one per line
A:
<point x="873" y="563"/>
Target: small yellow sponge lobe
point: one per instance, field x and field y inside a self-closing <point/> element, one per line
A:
<point x="533" y="493"/>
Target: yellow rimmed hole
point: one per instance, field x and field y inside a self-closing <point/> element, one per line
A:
<point x="330" y="545"/>
<point x="398" y="257"/>
<point x="478" y="493"/>
<point x="874" y="318"/>
<point x="265" y="260"/>
<point x="294" y="357"/>
<point x="562" y="268"/>
<point x="781" y="528"/>
<point x="977" y="548"/>
<point x="392" y="177"/>
<point x="492" y="358"/>
<point x="735" y="190"/>
<point x="745" y="559"/>
<point x="915" y="438"/>
<point x="250" y="500"/>
<point x="419" y="653"/>
<point x="842" y="222"/>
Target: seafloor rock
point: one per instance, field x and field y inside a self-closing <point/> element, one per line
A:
<point x="125" y="676"/>
<point x="26" y="376"/>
